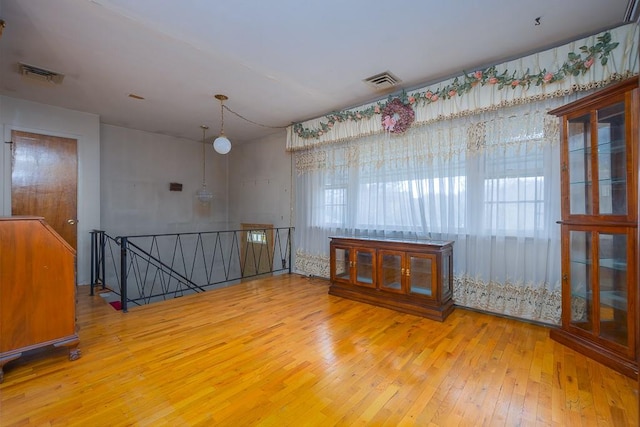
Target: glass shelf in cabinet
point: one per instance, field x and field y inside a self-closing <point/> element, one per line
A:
<point x="612" y="181"/>
<point x="581" y="261"/>
<point x="581" y="183"/>
<point x="615" y="299"/>
<point x="613" y="264"/>
<point x="613" y="147"/>
<point x="586" y="150"/>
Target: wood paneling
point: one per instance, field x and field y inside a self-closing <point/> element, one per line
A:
<point x="281" y="351"/>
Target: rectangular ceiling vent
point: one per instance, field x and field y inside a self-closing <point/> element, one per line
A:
<point x="40" y="74"/>
<point x="382" y="81"/>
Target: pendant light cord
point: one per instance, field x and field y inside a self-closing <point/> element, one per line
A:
<point x="222" y="107"/>
<point x="204" y="153"/>
<point x="251" y="121"/>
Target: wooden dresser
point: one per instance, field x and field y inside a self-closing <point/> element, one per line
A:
<point x="412" y="276"/>
<point x="37" y="289"/>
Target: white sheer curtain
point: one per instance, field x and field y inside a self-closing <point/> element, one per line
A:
<point x="489" y="182"/>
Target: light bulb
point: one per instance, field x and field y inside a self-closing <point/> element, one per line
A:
<point x="222" y="145"/>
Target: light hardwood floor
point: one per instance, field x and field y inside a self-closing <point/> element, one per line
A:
<point x="280" y="351"/>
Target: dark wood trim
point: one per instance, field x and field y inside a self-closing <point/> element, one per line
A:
<point x="589" y="101"/>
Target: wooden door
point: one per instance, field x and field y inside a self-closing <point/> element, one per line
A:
<point x="257" y="249"/>
<point x="44" y="180"/>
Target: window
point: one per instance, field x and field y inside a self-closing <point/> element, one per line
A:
<point x="514" y="193"/>
<point x="335" y="199"/>
<point x="497" y="176"/>
<point x="257" y="236"/>
<point x="506" y="187"/>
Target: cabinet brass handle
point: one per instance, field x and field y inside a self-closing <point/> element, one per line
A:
<point x="565" y="277"/>
<point x="407" y="272"/>
<point x="402" y="272"/>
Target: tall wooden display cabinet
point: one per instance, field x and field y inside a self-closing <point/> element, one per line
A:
<point x="599" y="178"/>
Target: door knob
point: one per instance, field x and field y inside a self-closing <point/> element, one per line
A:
<point x="72" y="221"/>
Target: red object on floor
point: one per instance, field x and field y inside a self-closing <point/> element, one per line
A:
<point x="116" y="304"/>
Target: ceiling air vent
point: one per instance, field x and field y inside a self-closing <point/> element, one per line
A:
<point x="40" y="74"/>
<point x="382" y="81"/>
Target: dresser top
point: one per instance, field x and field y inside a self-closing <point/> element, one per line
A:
<point x="426" y="242"/>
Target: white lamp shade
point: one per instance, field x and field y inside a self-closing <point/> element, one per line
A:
<point x="222" y="145"/>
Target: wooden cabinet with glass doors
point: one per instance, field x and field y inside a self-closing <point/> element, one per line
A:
<point x="599" y="165"/>
<point x="413" y="276"/>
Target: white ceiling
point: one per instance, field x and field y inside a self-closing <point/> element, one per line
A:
<point x="279" y="61"/>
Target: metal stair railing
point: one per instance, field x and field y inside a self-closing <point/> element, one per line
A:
<point x="142" y="269"/>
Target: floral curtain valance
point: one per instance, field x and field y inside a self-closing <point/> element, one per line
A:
<point x="523" y="124"/>
<point x="580" y="65"/>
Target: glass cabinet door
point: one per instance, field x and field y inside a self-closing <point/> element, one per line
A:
<point x="343" y="264"/>
<point x="605" y="151"/>
<point x="599" y="296"/>
<point x="612" y="161"/>
<point x="612" y="286"/>
<point x="364" y="266"/>
<point x="391" y="271"/>
<point x="581" y="298"/>
<point x="421" y="274"/>
<point x="579" y="158"/>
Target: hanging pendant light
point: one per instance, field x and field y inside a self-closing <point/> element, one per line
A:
<point x="203" y="194"/>
<point x="222" y="144"/>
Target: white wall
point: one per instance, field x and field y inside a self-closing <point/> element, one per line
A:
<point x="17" y="114"/>
<point x="260" y="183"/>
<point x="136" y="169"/>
